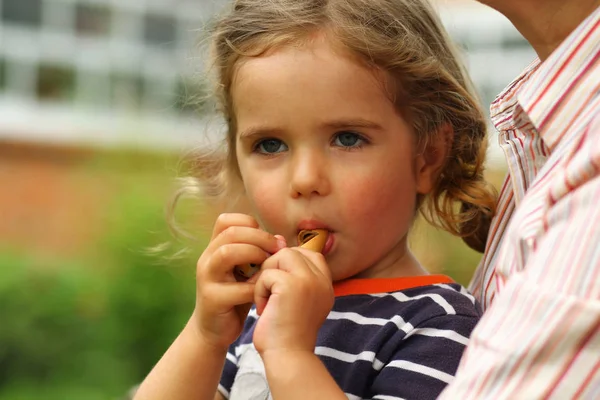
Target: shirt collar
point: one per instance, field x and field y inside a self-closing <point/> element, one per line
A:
<point x="503" y="107"/>
<point x="539" y="94"/>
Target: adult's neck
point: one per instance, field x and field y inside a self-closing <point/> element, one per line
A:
<point x="545" y="23"/>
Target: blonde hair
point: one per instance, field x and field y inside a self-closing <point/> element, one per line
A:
<point x="403" y="38"/>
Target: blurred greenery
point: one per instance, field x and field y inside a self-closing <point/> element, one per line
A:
<point x="90" y="326"/>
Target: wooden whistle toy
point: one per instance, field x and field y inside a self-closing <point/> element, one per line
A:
<point x="311" y="239"/>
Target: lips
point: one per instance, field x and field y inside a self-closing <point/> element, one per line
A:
<point x="328" y="244"/>
<point x="312" y="224"/>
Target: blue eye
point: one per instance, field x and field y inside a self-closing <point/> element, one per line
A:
<point x="348" y="139"/>
<point x="270" y="146"/>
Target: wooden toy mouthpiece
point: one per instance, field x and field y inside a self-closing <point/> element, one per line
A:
<point x="311" y="239"/>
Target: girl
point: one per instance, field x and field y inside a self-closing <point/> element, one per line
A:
<point x="346" y="116"/>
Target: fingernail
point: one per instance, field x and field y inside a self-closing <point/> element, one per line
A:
<point x="281" y="243"/>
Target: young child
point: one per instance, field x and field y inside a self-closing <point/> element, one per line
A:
<point x="347" y="116"/>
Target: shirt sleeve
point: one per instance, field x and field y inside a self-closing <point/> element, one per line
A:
<point x="541" y="336"/>
<point x="425" y="359"/>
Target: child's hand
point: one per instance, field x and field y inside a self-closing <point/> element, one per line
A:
<point x="293" y="296"/>
<point x="222" y="303"/>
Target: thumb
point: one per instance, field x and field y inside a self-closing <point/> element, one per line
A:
<point x="317" y="261"/>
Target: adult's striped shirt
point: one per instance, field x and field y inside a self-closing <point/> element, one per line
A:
<point x="386" y="339"/>
<point x="539" y="280"/>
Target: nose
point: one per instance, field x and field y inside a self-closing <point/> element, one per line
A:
<point x="309" y="174"/>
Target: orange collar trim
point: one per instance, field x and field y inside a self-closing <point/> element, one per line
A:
<point x="386" y="285"/>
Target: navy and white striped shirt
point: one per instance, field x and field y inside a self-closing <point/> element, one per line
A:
<point x="399" y="338"/>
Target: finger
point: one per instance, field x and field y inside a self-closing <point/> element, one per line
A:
<point x="316" y="261"/>
<point x="289" y="260"/>
<point x="282" y="241"/>
<point x="227" y="295"/>
<point x="243" y="234"/>
<point x="226" y="220"/>
<point x="222" y="261"/>
<point x="266" y="285"/>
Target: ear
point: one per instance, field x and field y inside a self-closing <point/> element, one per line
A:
<point x="432" y="158"/>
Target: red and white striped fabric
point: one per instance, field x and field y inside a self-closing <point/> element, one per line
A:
<point x="539" y="280"/>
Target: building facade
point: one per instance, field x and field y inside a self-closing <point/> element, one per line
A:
<point x="108" y="71"/>
<point x="91" y="70"/>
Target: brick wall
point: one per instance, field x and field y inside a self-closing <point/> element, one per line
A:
<point x="53" y="200"/>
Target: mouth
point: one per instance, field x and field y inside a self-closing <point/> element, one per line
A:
<point x="312" y="224"/>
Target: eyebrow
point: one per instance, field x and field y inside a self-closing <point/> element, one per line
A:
<point x="351" y="123"/>
<point x="260" y="131"/>
<point x="354" y="123"/>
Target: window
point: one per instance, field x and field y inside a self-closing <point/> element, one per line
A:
<point x="160" y="30"/>
<point x="27" y="12"/>
<point x="92" y="19"/>
<point x="55" y="83"/>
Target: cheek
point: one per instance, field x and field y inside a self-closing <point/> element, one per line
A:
<point x="265" y="197"/>
<point x="382" y="204"/>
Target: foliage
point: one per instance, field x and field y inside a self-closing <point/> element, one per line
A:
<point x="90" y="329"/>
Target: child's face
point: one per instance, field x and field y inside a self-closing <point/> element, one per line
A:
<point x="320" y="145"/>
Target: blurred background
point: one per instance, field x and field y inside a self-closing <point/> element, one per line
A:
<point x="97" y="104"/>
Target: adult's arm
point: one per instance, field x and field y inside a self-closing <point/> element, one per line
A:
<point x="541" y="336"/>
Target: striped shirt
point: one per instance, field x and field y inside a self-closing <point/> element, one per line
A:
<point x="389" y="339"/>
<point x="539" y="280"/>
